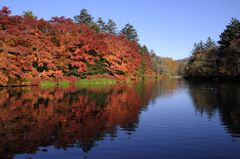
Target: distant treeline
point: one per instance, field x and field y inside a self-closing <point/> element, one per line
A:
<point x="222" y="60"/>
<point x="165" y="66"/>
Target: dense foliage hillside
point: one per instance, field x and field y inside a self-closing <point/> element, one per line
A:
<point x="33" y="49"/>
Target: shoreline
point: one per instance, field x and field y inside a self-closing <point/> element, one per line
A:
<point x="79" y="82"/>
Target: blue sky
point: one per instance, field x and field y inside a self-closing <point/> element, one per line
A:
<point x="169" y="27"/>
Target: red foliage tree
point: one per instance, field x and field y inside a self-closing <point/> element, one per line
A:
<point x="32" y="49"/>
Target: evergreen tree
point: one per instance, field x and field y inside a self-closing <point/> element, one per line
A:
<point x="198" y="47"/>
<point x="84" y="17"/>
<point x="111" y="27"/>
<point x="229" y="47"/>
<point x="231" y="32"/>
<point x="129" y="32"/>
<point x="29" y="14"/>
<point x="209" y="44"/>
<point x="152" y="52"/>
<point x="143" y="49"/>
<point x="210" y="61"/>
<point x="101" y="24"/>
<point x="203" y="62"/>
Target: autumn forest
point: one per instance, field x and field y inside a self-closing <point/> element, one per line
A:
<point x="119" y="79"/>
<point x="32" y="50"/>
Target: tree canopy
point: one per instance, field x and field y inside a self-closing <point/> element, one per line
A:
<point x="84" y="17"/>
<point x="111" y="27"/>
<point x="29" y="14"/>
<point x="35" y="49"/>
<point x="129" y="32"/>
<point x="231" y="32"/>
<point x="212" y="61"/>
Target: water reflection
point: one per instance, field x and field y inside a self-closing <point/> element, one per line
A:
<point x="222" y="97"/>
<point x="34" y="117"/>
<point x="79" y="117"/>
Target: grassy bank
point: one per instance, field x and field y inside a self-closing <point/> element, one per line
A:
<point x="96" y="81"/>
<point x="78" y="83"/>
<point x="51" y="84"/>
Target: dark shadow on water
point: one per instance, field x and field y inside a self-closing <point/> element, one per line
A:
<point x="222" y="97"/>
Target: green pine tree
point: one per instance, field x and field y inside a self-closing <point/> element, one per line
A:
<point x="111" y="27"/>
<point x="29" y="14"/>
<point x="231" y="32"/>
<point x="129" y="32"/>
<point x="84" y="17"/>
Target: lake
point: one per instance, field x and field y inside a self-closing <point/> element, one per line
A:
<point x="173" y="119"/>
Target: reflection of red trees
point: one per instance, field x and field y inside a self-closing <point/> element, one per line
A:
<point x="62" y="117"/>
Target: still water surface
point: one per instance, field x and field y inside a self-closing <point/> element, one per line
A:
<point x="173" y="119"/>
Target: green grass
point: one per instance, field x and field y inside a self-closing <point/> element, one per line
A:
<point x="95" y="82"/>
<point x="50" y="84"/>
<point x="64" y="84"/>
<point x="47" y="84"/>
